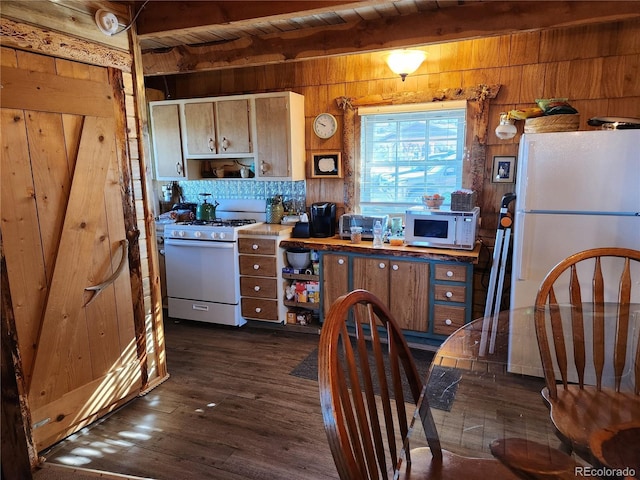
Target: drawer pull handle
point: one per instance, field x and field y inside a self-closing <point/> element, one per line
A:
<point x="254" y="246"/>
<point x="258" y="309"/>
<point x="256" y="267"/>
<point x="448" y="321"/>
<point x="449" y="273"/>
<point x="381" y="265"/>
<point x="211" y="145"/>
<point x="257" y="288"/>
<point x="395" y="267"/>
<point x="341" y="261"/>
<point x="448" y="294"/>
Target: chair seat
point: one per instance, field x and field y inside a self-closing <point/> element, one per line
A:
<point x="423" y="468"/>
<point x="577" y="413"/>
<point x="532" y="459"/>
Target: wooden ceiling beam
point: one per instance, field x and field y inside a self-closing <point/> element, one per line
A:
<point x="195" y="16"/>
<point x="449" y="24"/>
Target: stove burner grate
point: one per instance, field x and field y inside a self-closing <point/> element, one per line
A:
<point x="221" y="223"/>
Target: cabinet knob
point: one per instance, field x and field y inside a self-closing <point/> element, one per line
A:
<point x="448" y="321"/>
<point x="254" y="246"/>
<point x="225" y="143"/>
<point x="256" y="267"/>
<point x="257" y="288"/>
<point x="448" y="294"/>
<point x="395" y="267"/>
<point x="179" y="168"/>
<point x="211" y="145"/>
<point x="258" y="309"/>
<point x="382" y="265"/>
<point x="449" y="273"/>
<point x="341" y="261"/>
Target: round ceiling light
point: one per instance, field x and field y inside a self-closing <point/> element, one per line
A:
<point x="107" y="22"/>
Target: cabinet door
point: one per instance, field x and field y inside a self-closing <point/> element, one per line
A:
<point x="200" y="128"/>
<point x="233" y="126"/>
<point x="273" y="133"/>
<point x="335" y="272"/>
<point x="167" y="145"/>
<point x="372" y="274"/>
<point x="409" y="294"/>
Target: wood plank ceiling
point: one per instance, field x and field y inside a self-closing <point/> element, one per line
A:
<point x="189" y="36"/>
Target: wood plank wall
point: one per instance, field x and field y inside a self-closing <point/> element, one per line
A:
<point x="596" y="67"/>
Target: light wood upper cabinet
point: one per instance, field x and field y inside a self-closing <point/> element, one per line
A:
<point x="220" y="128"/>
<point x="280" y="136"/>
<point x="233" y="127"/>
<point x="200" y="128"/>
<point x="265" y="129"/>
<point x="167" y="142"/>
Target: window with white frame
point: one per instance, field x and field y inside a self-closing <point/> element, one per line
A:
<point x="408" y="151"/>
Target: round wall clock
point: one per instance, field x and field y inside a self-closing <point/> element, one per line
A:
<point x="325" y="125"/>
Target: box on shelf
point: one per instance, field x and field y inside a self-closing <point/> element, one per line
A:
<point x="463" y="201"/>
<point x="299" y="317"/>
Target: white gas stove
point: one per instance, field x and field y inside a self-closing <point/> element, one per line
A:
<point x="203" y="277"/>
<point x="217" y="230"/>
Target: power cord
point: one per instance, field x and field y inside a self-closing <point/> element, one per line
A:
<point x="132" y="21"/>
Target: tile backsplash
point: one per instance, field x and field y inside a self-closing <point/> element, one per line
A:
<point x="243" y="189"/>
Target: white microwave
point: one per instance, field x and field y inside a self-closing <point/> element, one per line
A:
<point x="441" y="228"/>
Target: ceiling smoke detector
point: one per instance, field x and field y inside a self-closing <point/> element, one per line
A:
<point x="107" y="22"/>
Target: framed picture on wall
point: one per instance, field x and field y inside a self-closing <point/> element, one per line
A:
<point x="326" y="165"/>
<point x="504" y="169"/>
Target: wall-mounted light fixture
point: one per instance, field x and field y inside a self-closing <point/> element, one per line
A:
<point x="106" y="22"/>
<point x="405" y="62"/>
<point x="506" y="129"/>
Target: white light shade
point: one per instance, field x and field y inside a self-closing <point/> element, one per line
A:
<point x="107" y="22"/>
<point x="506" y="129"/>
<point x="404" y="62"/>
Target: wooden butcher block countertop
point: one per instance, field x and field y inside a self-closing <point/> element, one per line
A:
<point x="337" y="244"/>
<point x="270" y="229"/>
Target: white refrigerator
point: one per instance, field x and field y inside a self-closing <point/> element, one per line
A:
<point x="574" y="191"/>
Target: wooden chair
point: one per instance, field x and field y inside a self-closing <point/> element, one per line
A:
<point x="363" y="403"/>
<point x="579" y="409"/>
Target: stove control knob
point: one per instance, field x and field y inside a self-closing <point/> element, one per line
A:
<point x="197" y="234"/>
<point x="214" y="235"/>
<point x="174" y="233"/>
<point x="182" y="233"/>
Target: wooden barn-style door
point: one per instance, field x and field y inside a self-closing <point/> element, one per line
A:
<point x="65" y="241"/>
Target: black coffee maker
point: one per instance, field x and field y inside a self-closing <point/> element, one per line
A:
<point x="323" y="219"/>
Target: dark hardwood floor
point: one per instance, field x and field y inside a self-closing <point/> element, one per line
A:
<point x="230" y="410"/>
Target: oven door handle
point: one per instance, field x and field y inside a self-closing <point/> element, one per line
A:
<point x="198" y="243"/>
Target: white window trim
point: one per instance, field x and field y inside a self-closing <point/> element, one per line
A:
<point x="413" y="107"/>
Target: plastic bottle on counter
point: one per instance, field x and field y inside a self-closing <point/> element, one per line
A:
<point x="377" y="235"/>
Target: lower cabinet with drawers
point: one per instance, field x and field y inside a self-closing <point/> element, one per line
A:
<point x="261" y="279"/>
<point x="429" y="298"/>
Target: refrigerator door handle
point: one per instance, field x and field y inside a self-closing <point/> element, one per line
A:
<point x="521" y="253"/>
